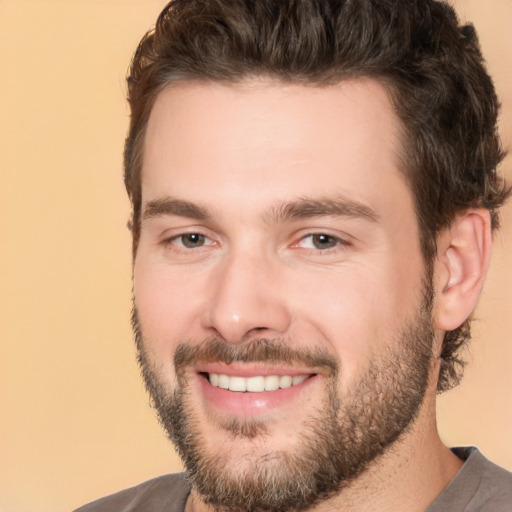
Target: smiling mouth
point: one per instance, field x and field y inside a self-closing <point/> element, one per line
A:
<point x="255" y="384"/>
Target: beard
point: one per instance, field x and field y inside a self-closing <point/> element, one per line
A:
<point x="336" y="444"/>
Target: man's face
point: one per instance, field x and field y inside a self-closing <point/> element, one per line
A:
<point x="282" y="307"/>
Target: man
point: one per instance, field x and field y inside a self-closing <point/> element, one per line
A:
<point x="314" y="191"/>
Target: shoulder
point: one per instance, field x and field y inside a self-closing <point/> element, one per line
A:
<point x="167" y="492"/>
<point x="480" y="485"/>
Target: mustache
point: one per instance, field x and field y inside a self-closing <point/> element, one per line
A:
<point x="275" y="351"/>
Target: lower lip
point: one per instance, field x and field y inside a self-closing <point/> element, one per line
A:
<point x="251" y="404"/>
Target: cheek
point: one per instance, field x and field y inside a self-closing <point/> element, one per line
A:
<point x="358" y="312"/>
<point x="167" y="302"/>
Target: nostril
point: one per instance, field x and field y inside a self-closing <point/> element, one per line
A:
<point x="255" y="330"/>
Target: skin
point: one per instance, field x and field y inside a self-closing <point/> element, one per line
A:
<point x="240" y="154"/>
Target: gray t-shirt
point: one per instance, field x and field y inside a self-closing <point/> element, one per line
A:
<point x="480" y="486"/>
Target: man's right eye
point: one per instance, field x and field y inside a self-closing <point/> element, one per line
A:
<point x="189" y="241"/>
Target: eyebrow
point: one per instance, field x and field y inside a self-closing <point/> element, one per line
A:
<point x="306" y="208"/>
<point x="303" y="208"/>
<point x="171" y="206"/>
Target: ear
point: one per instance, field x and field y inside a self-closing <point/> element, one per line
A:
<point x="463" y="255"/>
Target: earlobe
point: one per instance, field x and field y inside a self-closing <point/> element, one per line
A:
<point x="464" y="251"/>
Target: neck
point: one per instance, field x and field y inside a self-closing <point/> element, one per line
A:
<point x="407" y="477"/>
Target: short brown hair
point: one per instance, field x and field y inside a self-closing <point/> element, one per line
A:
<point x="431" y="66"/>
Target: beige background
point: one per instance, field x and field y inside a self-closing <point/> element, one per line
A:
<point x="74" y="418"/>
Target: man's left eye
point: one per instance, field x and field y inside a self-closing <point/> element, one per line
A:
<point x="320" y="241"/>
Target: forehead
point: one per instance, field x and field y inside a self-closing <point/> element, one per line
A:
<point x="265" y="141"/>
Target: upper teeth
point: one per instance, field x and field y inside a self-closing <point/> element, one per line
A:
<point x="255" y="384"/>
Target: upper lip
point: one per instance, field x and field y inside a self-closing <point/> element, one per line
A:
<point x="251" y="369"/>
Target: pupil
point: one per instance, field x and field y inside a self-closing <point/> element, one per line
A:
<point x="324" y="241"/>
<point x="193" y="240"/>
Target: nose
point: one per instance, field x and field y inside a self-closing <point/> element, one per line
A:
<point x="245" y="300"/>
